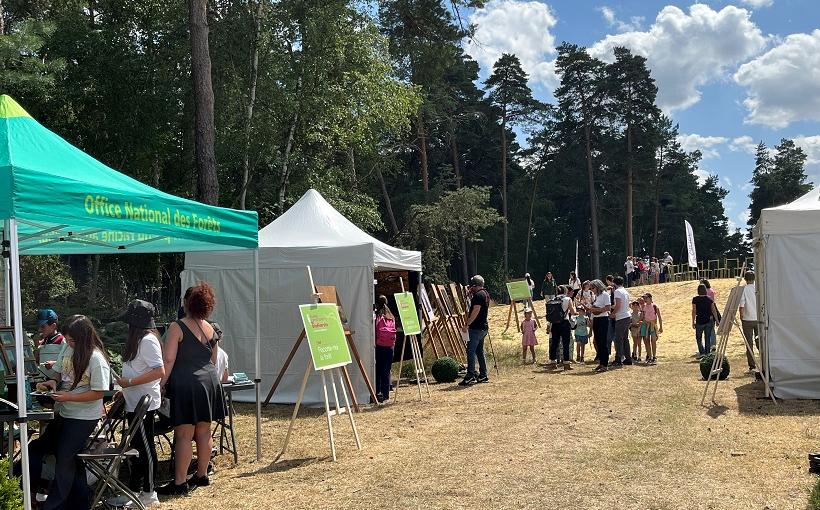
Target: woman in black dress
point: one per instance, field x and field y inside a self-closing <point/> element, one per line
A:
<point x="193" y="387"/>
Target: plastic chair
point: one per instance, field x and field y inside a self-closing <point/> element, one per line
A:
<point x="104" y="461"/>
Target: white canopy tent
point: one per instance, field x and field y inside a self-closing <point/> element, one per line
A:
<point x="310" y="233"/>
<point x="787" y="243"/>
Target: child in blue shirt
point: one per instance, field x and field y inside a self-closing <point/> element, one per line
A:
<point x="581" y="323"/>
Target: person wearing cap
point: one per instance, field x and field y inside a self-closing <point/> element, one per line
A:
<point x="142" y="370"/>
<point x="47" y="326"/>
<point x="477" y="328"/>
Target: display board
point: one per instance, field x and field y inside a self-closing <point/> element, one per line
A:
<point x="325" y="335"/>
<point x="407" y="313"/>
<point x="519" y="290"/>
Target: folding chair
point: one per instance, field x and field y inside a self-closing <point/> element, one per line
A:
<point x="104" y="462"/>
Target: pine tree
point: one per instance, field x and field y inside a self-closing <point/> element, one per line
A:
<point x="512" y="97"/>
<point x="777" y="180"/>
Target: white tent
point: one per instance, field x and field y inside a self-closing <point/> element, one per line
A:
<point x="787" y="243"/>
<point x="339" y="253"/>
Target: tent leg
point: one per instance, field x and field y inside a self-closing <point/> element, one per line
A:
<point x="18" y="353"/>
<point x="258" y="378"/>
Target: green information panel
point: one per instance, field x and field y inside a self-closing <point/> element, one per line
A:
<point x="407" y="313"/>
<point x="519" y="291"/>
<point x="325" y="335"/>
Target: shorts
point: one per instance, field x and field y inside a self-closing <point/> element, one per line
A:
<point x="649" y="329"/>
<point x="636" y="332"/>
<point x="582" y="339"/>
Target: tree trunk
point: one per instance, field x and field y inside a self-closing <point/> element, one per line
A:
<point x="657" y="204"/>
<point x="504" y="194"/>
<point x="387" y="203"/>
<point x="630" y="245"/>
<point x="352" y="161"/>
<point x="207" y="180"/>
<point x="422" y="143"/>
<point x="593" y="202"/>
<point x="253" y="78"/>
<point x="284" y="178"/>
<point x="529" y="222"/>
<point x="2" y="21"/>
<point x="464" y="270"/>
<point x="454" y="155"/>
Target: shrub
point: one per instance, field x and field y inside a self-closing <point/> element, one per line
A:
<point x="445" y="370"/>
<point x="706" y="366"/>
<point x="814" y="497"/>
<point x="11" y="495"/>
<point x="408" y="370"/>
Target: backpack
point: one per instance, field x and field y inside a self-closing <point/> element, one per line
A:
<point x="555" y="310"/>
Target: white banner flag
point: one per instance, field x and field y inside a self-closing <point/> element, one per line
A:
<point x="576" y="260"/>
<point x="690" y="245"/>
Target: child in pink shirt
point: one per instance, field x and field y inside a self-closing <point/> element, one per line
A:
<point x="528" y="339"/>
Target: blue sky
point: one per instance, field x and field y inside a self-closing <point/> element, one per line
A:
<point x="730" y="73"/>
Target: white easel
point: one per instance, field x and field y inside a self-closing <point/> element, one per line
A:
<point x="418" y="361"/>
<point x="335" y="373"/>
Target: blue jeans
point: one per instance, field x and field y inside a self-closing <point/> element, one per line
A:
<point x="703" y="337"/>
<point x="384" y="360"/>
<point x="475" y="349"/>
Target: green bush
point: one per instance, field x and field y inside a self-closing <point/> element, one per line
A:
<point x="706" y="366"/>
<point x="814" y="497"/>
<point x="11" y="495"/>
<point x="445" y="369"/>
<point x="408" y="370"/>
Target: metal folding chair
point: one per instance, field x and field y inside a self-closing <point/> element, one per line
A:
<point x="104" y="461"/>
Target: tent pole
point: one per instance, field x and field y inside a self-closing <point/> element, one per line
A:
<point x="20" y="371"/>
<point x="6" y="276"/>
<point x="257" y="379"/>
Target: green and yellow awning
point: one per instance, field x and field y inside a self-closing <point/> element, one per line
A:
<point x="67" y="202"/>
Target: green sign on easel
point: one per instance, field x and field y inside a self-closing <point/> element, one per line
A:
<point x="407" y="313"/>
<point x="519" y="290"/>
<point x="325" y="335"/>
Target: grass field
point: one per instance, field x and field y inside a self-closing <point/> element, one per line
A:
<point x="636" y="437"/>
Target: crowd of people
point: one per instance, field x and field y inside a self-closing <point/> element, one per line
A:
<point x="647" y="270"/>
<point x="184" y="372"/>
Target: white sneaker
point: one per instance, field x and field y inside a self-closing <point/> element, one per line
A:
<point x="118" y="501"/>
<point x="148" y="499"/>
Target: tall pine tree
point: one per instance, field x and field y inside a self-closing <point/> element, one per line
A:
<point x="777" y="179"/>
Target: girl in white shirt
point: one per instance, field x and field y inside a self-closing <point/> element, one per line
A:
<point x="142" y="370"/>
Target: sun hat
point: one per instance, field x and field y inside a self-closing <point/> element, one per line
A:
<point x="45" y="316"/>
<point x="140" y="314"/>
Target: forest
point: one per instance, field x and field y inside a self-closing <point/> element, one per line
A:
<point x="248" y="103"/>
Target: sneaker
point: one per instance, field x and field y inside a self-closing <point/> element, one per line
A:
<point x="567" y="366"/>
<point x="617" y="364"/>
<point x="628" y="361"/>
<point x="148" y="499"/>
<point x="172" y="489"/>
<point x="199" y="481"/>
<point x="211" y="470"/>
<point x="468" y="381"/>
<point x="119" y="501"/>
<point x="483" y="379"/>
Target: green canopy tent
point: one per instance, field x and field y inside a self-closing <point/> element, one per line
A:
<point x="55" y="199"/>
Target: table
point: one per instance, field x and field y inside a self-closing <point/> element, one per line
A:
<point x="227" y="437"/>
<point x="10" y="417"/>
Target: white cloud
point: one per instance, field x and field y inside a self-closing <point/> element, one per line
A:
<point x="518" y="27"/>
<point x="811" y="146"/>
<point x="707" y="145"/>
<point x="744" y="216"/>
<point x="743" y="143"/>
<point x="686" y="51"/>
<point x="727" y="181"/>
<point x="702" y="175"/>
<point x="757" y="4"/>
<point x="612" y="20"/>
<point x="783" y="84"/>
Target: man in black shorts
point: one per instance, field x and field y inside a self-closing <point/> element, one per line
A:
<point x="477" y="328"/>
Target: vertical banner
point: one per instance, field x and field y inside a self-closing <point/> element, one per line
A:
<point x="690" y="245"/>
<point x="576" y="260"/>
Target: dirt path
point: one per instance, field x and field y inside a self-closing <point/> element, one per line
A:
<point x="630" y="438"/>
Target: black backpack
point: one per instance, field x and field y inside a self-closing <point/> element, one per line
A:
<point x="555" y="310"/>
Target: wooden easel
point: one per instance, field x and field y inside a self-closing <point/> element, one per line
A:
<point x="451" y="331"/>
<point x="328" y="294"/>
<point x="418" y="361"/>
<point x="431" y="329"/>
<point x="339" y="410"/>
<point x="725" y="328"/>
<point x="514" y="309"/>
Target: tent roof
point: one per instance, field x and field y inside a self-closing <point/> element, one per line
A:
<point x="799" y="217"/>
<point x="67" y="202"/>
<point x="313" y="222"/>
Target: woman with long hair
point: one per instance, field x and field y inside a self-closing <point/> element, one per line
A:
<point x="193" y="387"/>
<point x="83" y="376"/>
<point x="385" y="344"/>
<point x="142" y="370"/>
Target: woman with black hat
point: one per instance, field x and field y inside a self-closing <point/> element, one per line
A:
<point x="142" y="370"/>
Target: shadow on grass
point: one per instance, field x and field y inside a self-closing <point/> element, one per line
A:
<point x="716" y="411"/>
<point x="752" y="399"/>
<point x="282" y="466"/>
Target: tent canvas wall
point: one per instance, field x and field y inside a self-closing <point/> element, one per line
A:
<point x="787" y="241"/>
<point x="310" y="233"/>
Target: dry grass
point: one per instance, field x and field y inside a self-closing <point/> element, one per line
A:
<point x="630" y="438"/>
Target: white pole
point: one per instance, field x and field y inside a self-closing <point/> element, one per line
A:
<point x="258" y="377"/>
<point x="18" y="355"/>
<point x="6" y="279"/>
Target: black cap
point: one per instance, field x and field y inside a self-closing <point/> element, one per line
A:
<point x="140" y="314"/>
